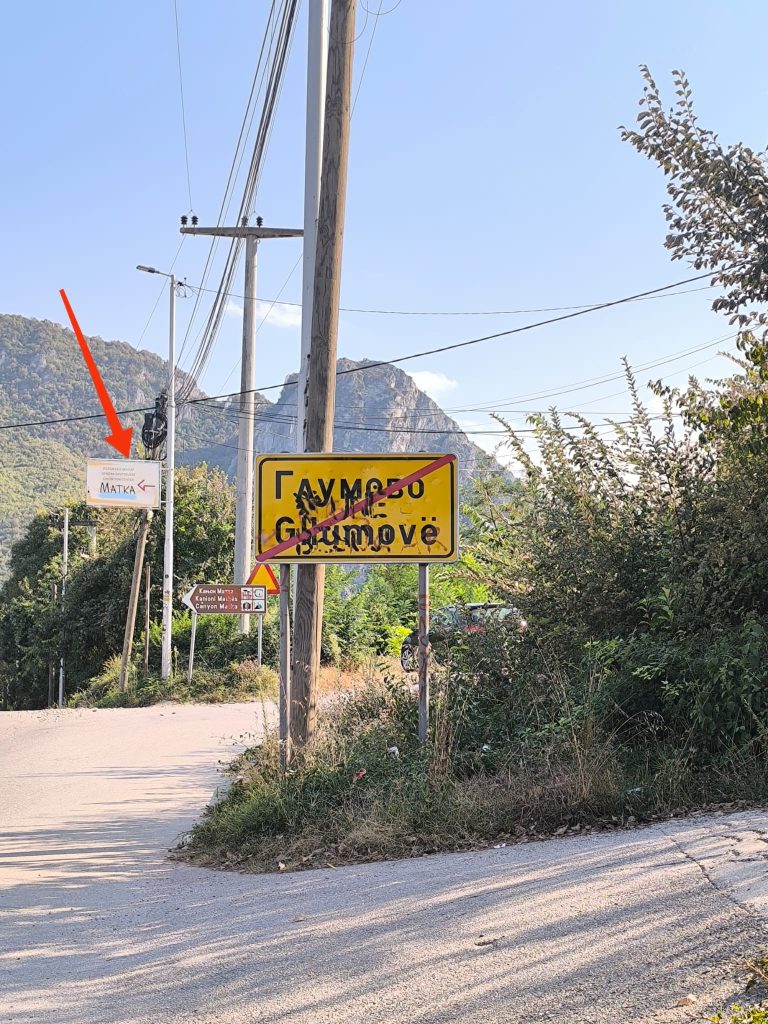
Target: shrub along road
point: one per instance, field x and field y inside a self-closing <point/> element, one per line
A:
<point x="97" y="926"/>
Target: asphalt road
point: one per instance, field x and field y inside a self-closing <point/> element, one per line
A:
<point x="97" y="926"/>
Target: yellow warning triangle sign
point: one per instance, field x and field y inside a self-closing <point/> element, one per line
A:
<point x="263" y="576"/>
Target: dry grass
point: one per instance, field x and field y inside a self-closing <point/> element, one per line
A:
<point x="364" y="790"/>
<point x="335" y="679"/>
<point x="407" y="802"/>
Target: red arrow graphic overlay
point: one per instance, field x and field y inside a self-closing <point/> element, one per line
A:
<point x="364" y="505"/>
<point x="120" y="438"/>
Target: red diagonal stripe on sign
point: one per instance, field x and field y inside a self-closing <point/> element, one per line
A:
<point x="365" y="503"/>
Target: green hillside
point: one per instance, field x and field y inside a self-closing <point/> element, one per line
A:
<point x="43" y="377"/>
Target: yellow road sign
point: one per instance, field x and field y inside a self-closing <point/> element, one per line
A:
<point x="356" y="508"/>
<point x="263" y="576"/>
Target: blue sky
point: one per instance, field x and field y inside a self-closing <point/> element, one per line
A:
<point x="486" y="172"/>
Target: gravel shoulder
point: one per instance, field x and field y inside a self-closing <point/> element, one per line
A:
<point x="97" y="926"/>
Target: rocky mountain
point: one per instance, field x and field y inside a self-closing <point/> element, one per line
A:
<point x="43" y="377"/>
<point x="378" y="409"/>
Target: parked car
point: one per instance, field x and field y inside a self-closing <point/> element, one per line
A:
<point x="456" y="620"/>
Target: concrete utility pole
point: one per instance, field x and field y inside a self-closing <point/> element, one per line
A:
<point x="245" y="441"/>
<point x="170" y="472"/>
<point x="245" y="454"/>
<point x="170" y="466"/>
<point x="321" y="382"/>
<point x="317" y="62"/>
<point x="64" y="574"/>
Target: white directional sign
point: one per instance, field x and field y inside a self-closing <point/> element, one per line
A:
<point x="123" y="483"/>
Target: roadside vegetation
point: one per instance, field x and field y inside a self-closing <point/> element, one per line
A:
<point x="756" y="985"/>
<point x="640" y="689"/>
<point x="638" y="554"/>
<point x="240" y="681"/>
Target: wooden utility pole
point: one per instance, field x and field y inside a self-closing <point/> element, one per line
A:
<point x="64" y="574"/>
<point x="321" y="379"/>
<point x="133" y="601"/>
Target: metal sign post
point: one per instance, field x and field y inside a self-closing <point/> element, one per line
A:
<point x="223" y="599"/>
<point x="285" y="666"/>
<point x="261" y="633"/>
<point x="192" y="646"/>
<point x="424" y="652"/>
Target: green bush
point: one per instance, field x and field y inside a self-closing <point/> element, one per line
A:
<point x="242" y="681"/>
<point x="710" y="687"/>
<point x="743" y="1015"/>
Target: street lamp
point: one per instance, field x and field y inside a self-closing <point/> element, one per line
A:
<point x="170" y="458"/>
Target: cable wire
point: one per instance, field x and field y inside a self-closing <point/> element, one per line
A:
<point x="351" y="113"/>
<point x="367" y="53"/>
<point x="181" y="93"/>
<point x="447" y="312"/>
<point x="161" y="293"/>
<point x="250" y="107"/>
<point x="476" y="341"/>
<point x="272" y="95"/>
<point x="372" y="365"/>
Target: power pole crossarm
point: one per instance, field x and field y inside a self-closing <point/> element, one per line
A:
<point x="244" y="231"/>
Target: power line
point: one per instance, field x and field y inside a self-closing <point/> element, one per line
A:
<point x="271" y="418"/>
<point x="489" y="337"/>
<point x="234" y="170"/>
<point x="501" y="432"/>
<point x="615" y="394"/>
<point x="181" y="93"/>
<point x="497" y="406"/>
<point x="473" y="341"/>
<point x="378" y="15"/>
<point x="400" y="359"/>
<point x="272" y="94"/>
<point x="367" y="52"/>
<point x="448" y="312"/>
<point x="161" y="293"/>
